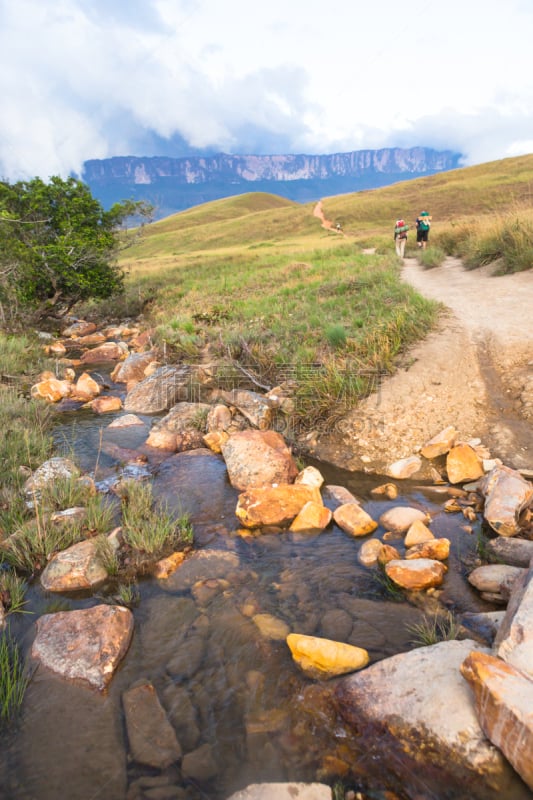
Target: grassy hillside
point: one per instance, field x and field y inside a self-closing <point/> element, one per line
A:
<point x="258" y="280"/>
<point x="497" y="187"/>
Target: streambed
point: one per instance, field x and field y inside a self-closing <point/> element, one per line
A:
<point x="231" y="691"/>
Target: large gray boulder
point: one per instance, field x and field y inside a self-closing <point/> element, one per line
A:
<point x="160" y="391"/>
<point x="418" y="719"/>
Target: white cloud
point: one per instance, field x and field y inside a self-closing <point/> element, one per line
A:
<point x="83" y="79"/>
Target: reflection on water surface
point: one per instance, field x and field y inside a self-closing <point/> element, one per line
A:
<point x="241" y="709"/>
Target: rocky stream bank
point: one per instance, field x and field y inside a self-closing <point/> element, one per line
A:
<point x="448" y="720"/>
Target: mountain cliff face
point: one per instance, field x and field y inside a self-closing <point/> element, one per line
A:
<point x="173" y="184"/>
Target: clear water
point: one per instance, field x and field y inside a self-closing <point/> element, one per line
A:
<point x="220" y="681"/>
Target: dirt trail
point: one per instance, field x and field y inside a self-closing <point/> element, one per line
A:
<point x="318" y="211"/>
<point x="474" y="372"/>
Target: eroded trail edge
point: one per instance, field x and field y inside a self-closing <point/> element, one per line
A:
<point x="475" y="371"/>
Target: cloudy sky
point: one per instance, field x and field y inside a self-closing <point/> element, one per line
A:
<point x="84" y="79"/>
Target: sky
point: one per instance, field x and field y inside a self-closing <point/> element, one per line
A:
<point x="85" y="79"/>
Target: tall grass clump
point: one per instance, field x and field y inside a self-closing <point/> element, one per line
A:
<point x="13" y="679"/>
<point x="148" y="530"/>
<point x="506" y="242"/>
<point x="13" y="592"/>
<point x="31" y="546"/>
<point x="99" y="514"/>
<point x="336" y="336"/>
<point x="431" y="257"/>
<point x="62" y="493"/>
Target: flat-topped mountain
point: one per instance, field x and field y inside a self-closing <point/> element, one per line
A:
<point x="174" y="184"/>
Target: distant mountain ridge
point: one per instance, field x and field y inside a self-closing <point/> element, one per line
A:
<point x="173" y="184"/>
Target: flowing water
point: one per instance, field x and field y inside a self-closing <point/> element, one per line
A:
<point x="233" y="694"/>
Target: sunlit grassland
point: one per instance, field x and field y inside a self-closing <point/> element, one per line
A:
<point x="257" y="279"/>
<point x="325" y="315"/>
<point x="470" y="194"/>
<point x="182" y="234"/>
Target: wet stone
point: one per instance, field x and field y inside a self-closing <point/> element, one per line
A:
<point x="182" y="714"/>
<point x="151" y="736"/>
<point x="196" y="483"/>
<point x="200" y="764"/>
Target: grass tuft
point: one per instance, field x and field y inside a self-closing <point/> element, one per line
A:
<point x="432" y="257"/>
<point x="13" y="679"/>
<point x="149" y="531"/>
<point x="13" y="592"/>
<point x="439" y="628"/>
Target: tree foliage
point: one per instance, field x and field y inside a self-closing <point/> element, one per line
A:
<point x="57" y="246"/>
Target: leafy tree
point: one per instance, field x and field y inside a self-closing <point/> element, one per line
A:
<point x="58" y="246"/>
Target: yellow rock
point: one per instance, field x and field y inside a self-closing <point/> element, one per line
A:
<point x="215" y="440"/>
<point x="51" y="390"/>
<point x="387" y="553"/>
<point x="463" y="464"/>
<point x="313" y="518"/>
<point x="274" y="506"/>
<point x="167" y="566"/>
<point x="390" y="490"/>
<point x="354" y="520"/>
<point x="324" y="658"/>
<point x="416" y="573"/>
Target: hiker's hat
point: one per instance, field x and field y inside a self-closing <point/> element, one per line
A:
<point x="424" y="214"/>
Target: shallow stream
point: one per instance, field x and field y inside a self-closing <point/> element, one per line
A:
<point x="232" y="693"/>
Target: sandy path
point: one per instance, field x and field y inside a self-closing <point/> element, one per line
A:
<point x="474" y="372"/>
<point x="495" y="310"/>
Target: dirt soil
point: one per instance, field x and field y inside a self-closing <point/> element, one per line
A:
<point x="474" y="372"/>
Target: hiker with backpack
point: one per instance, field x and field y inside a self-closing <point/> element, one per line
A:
<point x="400" y="236"/>
<point x="423" y="224"/>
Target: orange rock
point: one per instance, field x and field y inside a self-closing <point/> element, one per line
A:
<point x="438" y="549"/>
<point x="86" y="387"/>
<point x="504" y="699"/>
<point x="354" y="520"/>
<point x="104" y="352"/>
<point x="56" y="349"/>
<point x="417" y="533"/>
<point x="419" y="573"/>
<point x="313" y="518"/>
<point x="167" y="566"/>
<point x="101" y="405"/>
<point x="215" y="440"/>
<point x="162" y="439"/>
<point x="275" y="505"/>
<point x="91" y="338"/>
<point x="387" y="553"/>
<point x="51" y="390"/>
<point x="440" y="444"/>
<point x="463" y="464"/>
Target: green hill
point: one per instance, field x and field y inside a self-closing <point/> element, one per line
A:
<point x="493" y="188"/>
<point x="258" y="280"/>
